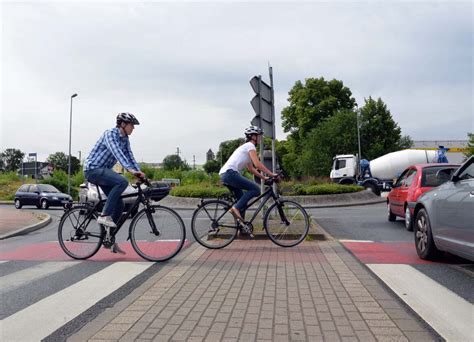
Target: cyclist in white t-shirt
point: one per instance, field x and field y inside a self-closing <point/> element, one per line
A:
<point x="244" y="156"/>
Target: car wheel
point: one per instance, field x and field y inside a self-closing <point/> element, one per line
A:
<point x="18" y="204"/>
<point x="44" y="204"/>
<point x="391" y="217"/>
<point x="372" y="187"/>
<point x="424" y="242"/>
<point x="408" y="220"/>
<point x="38" y="206"/>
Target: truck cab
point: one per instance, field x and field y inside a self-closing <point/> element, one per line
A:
<point x="344" y="166"/>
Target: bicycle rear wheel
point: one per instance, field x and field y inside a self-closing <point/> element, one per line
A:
<point x="212" y="225"/>
<point x="157" y="235"/>
<point x="79" y="234"/>
<point x="286" y="223"/>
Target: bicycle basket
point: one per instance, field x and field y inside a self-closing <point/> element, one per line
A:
<point x="157" y="191"/>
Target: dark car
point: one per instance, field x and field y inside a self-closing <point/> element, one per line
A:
<point x="414" y="182"/>
<point x="444" y="216"/>
<point x="41" y="195"/>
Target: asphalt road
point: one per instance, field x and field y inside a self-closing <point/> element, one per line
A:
<point x="369" y="223"/>
<point x="362" y="223"/>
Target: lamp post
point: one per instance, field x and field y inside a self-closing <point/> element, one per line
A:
<point x="358" y="137"/>
<point x="69" y="159"/>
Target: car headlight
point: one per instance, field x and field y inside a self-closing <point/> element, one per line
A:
<point x="55" y="198"/>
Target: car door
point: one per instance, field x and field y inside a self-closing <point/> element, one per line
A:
<point x="397" y="205"/>
<point x="33" y="195"/>
<point x="453" y="204"/>
<point x="404" y="188"/>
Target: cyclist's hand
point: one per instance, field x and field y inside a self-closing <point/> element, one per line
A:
<point x="139" y="175"/>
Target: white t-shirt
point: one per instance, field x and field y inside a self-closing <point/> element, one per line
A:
<point x="239" y="159"/>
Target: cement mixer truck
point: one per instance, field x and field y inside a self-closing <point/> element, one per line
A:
<point x="378" y="174"/>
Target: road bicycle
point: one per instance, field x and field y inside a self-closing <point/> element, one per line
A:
<point x="157" y="233"/>
<point x="285" y="222"/>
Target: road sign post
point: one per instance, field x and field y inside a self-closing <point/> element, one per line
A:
<point x="263" y="104"/>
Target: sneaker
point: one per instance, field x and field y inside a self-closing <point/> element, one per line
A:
<point x="106" y="221"/>
<point x="247" y="231"/>
<point x="116" y="249"/>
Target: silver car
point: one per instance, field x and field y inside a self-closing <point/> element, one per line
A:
<point x="88" y="193"/>
<point x="444" y="216"/>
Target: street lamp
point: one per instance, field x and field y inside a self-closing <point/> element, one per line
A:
<point x="69" y="160"/>
<point x="358" y="137"/>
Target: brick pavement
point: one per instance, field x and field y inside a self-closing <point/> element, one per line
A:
<point x="255" y="290"/>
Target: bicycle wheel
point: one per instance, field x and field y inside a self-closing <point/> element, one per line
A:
<point x="213" y="226"/>
<point x="158" y="234"/>
<point x="286" y="223"/>
<point x="80" y="236"/>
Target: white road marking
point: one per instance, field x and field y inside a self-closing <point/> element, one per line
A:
<point x="450" y="315"/>
<point x="2" y="261"/>
<point x="44" y="317"/>
<point x="16" y="279"/>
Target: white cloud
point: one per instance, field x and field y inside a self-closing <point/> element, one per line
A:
<point x="184" y="67"/>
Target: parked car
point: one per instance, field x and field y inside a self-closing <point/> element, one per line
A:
<point x="88" y="193"/>
<point x="412" y="183"/>
<point x="41" y="195"/>
<point x="445" y="215"/>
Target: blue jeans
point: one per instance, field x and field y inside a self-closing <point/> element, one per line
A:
<point x="113" y="184"/>
<point x="239" y="183"/>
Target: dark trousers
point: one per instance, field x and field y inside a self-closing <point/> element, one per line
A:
<point x="113" y="184"/>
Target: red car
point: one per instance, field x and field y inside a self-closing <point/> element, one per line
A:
<point x="412" y="183"/>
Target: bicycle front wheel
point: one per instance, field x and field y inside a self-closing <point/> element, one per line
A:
<point x="157" y="234"/>
<point x="286" y="223"/>
<point x="213" y="225"/>
<point x="79" y="234"/>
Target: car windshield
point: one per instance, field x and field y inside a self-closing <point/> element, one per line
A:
<point x="431" y="178"/>
<point x="47" y="188"/>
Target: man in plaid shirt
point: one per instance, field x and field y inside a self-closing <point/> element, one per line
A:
<point x="111" y="147"/>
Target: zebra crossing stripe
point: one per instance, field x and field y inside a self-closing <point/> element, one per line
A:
<point x="51" y="313"/>
<point x="16" y="279"/>
<point x="450" y="315"/>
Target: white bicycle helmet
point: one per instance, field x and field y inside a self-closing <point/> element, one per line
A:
<point x="127" y="118"/>
<point x="249" y="131"/>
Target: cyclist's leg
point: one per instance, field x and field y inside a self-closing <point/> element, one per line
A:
<point x="236" y="180"/>
<point x="113" y="184"/>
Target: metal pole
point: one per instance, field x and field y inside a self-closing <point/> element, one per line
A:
<point x="36" y="168"/>
<point x="358" y="138"/>
<point x="69" y="159"/>
<point x="273" y="127"/>
<point x="261" y="125"/>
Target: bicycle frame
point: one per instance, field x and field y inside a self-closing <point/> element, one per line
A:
<point x="140" y="199"/>
<point x="266" y="196"/>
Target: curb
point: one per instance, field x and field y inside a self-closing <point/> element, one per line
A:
<point x="47" y="220"/>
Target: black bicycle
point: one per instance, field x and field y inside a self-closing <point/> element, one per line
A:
<point x="157" y="233"/>
<point x="285" y="222"/>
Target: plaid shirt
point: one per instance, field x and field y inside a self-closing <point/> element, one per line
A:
<point x="110" y="148"/>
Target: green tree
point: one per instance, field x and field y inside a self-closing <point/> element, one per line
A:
<point x="335" y="135"/>
<point x="60" y="161"/>
<point x="226" y="148"/>
<point x="470" y="146"/>
<point x="212" y="166"/>
<point x="379" y="133"/>
<point x="312" y="102"/>
<point x="11" y="159"/>
<point x="174" y="162"/>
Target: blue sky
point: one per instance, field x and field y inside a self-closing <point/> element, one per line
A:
<point x="184" y="67"/>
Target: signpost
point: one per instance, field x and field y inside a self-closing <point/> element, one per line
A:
<point x="263" y="103"/>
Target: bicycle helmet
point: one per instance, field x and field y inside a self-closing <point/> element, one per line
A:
<point x="127" y="118"/>
<point x="249" y="131"/>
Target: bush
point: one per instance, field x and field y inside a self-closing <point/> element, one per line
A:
<point x="59" y="181"/>
<point x="9" y="177"/>
<point x="324" y="189"/>
<point x="199" y="190"/>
